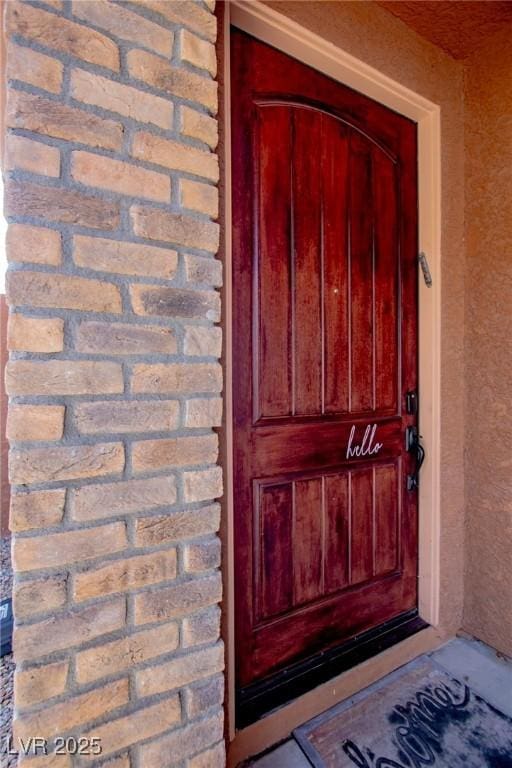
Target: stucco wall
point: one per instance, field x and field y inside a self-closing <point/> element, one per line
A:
<point x="488" y="139"/>
<point x="384" y="42"/>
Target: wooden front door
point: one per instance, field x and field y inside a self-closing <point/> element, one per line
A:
<point x="324" y="355"/>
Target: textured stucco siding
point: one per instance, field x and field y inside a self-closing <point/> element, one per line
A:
<point x="488" y="140"/>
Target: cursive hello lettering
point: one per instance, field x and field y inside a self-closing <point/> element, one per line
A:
<point x="367" y="447"/>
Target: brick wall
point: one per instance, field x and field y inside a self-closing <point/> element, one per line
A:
<point x="114" y="378"/>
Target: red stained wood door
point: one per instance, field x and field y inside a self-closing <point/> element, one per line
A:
<point x="325" y="350"/>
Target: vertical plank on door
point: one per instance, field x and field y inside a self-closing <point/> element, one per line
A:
<point x="308" y="277"/>
<point x="386" y="518"/>
<point x="386" y="281"/>
<point x="335" y="145"/>
<point x="361" y="538"/>
<point x="337" y="510"/>
<point x="276" y="556"/>
<point x="361" y="258"/>
<point x="273" y="260"/>
<point x="308" y="539"/>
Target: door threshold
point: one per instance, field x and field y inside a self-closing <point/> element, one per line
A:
<point x="259" y="699"/>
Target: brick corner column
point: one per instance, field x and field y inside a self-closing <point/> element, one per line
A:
<point x="114" y="379"/>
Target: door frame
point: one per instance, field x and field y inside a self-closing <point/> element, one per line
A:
<point x="273" y="28"/>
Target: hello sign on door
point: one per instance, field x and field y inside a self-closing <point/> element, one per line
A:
<point x="368" y="445"/>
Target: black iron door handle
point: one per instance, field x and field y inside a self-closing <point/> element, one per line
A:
<point x="413" y="445"/>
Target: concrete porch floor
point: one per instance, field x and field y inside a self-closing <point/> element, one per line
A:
<point x="465" y="658"/>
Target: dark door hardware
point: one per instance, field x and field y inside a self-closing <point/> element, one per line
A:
<point x="425" y="269"/>
<point x="413" y="445"/>
<point x="411" y="402"/>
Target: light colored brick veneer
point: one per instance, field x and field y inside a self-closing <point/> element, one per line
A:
<point x="114" y="378"/>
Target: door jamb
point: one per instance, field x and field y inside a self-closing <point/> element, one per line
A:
<point x="277" y="30"/>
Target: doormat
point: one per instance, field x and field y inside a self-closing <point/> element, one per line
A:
<point x="418" y="716"/>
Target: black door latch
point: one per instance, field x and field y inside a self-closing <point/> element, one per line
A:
<point x="411" y="402"/>
<point x="413" y="445"/>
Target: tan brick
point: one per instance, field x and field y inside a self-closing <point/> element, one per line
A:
<point x="31" y="334"/>
<point x="126" y="258"/>
<point x="122" y="99"/>
<point x="201" y="628"/>
<point x="203" y="412"/>
<point x="197" y="125"/>
<point x="199" y="197"/>
<point x="180" y="671"/>
<point x="157" y="224"/>
<point x="43" y="289"/>
<point x="178" y="600"/>
<point x="179" y="378"/>
<point x="93" y="502"/>
<point x="43" y="465"/>
<point x="31" y="598"/>
<point x="33" y="244"/>
<point x="140" y="725"/>
<point x="155" y="531"/>
<point x="164" y="301"/>
<point x="174" y="452"/>
<point x="46" y="761"/>
<point x="203" y="270"/>
<point x="189" y="14"/>
<point x="118" y="176"/>
<point x="124" y="24"/>
<point x="120" y="655"/>
<point x="32" y="156"/>
<point x="125" y="339"/>
<point x="175" y="156"/>
<point x="202" y="556"/>
<point x="131" y="416"/>
<point x="56" y="204"/>
<point x="61" y="35"/>
<point x="125" y="575"/>
<point x="56" y="549"/>
<point x="122" y="761"/>
<point x="210" y="758"/>
<point x="201" y="485"/>
<point x="70" y="629"/>
<point x="63" y="377"/>
<point x="33" y="68"/>
<point x="40" y="683"/>
<point x="203" y="341"/>
<point x="198" y="52"/>
<point x="51" y="118"/>
<point x="179" y="744"/>
<point x="35" y="422"/>
<point x="36" y="509"/>
<point x="74" y="712"/>
<point x="204" y="696"/>
<point x="160" y="74"/>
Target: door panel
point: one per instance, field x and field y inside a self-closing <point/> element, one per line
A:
<point x="273" y="352"/>
<point x="350" y="538"/>
<point x="337" y="532"/>
<point x="362" y="342"/>
<point x="324" y="332"/>
<point x="274" y="587"/>
<point x="335" y="185"/>
<point x="327" y="340"/>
